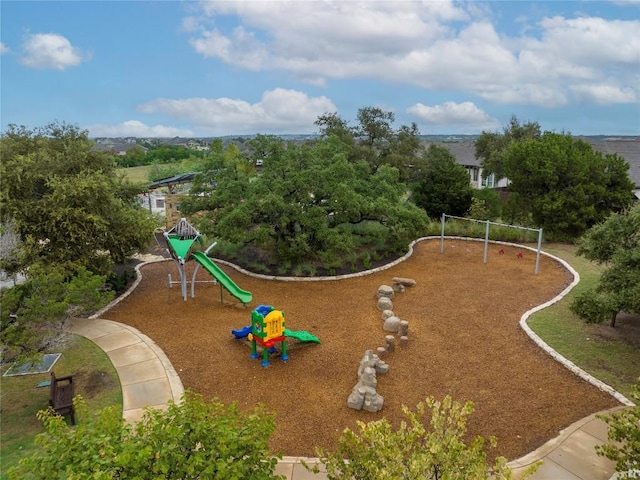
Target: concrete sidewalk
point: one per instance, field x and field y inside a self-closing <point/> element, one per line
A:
<point x="149" y="380"/>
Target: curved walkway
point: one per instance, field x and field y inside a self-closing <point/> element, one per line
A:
<point x="148" y="379"/>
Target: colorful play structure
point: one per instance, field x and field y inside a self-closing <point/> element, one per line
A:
<point x="267" y="329"/>
<point x="184" y="243"/>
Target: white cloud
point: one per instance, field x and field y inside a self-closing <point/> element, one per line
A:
<point x="588" y="41"/>
<point x="4" y="49"/>
<point x="135" y="128"/>
<point x="444" y="45"/>
<point x="51" y="51"/>
<point x="605" y="94"/>
<point x="278" y="111"/>
<point x="463" y="117"/>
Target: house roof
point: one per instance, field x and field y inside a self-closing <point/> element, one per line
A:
<point x="465" y="152"/>
<point x="175" y="180"/>
<point x="117" y="147"/>
<point x="629" y="149"/>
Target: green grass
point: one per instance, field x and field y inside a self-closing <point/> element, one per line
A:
<point x="96" y="380"/>
<point x="136" y="174"/>
<point x="590" y="346"/>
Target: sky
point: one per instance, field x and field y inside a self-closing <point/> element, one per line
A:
<point x="216" y="68"/>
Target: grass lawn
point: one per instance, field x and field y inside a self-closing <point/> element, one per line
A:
<point x="136" y="174"/>
<point x="609" y="354"/>
<point x="96" y="380"/>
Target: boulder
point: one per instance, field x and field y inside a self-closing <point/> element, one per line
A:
<point x="385" y="291"/>
<point x="385" y="303"/>
<point x="363" y="396"/>
<point x="391" y="324"/>
<point x="406" y="282"/>
<point x="386" y="314"/>
<point x="373" y="402"/>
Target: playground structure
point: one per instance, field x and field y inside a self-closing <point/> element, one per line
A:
<point x="183" y="244"/>
<point x="267" y="329"/>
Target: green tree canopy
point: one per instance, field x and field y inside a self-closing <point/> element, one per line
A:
<point x="444" y="184"/>
<point x="32" y="314"/>
<point x="491" y="147"/>
<point x="566" y="185"/>
<point x="66" y="202"/>
<point x="192" y="439"/>
<point x="615" y="243"/>
<point x="305" y="203"/>
<point x="375" y="140"/>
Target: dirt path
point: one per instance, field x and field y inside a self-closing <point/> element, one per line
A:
<point x="464" y="340"/>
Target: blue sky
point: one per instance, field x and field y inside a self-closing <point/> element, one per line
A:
<point x="199" y="68"/>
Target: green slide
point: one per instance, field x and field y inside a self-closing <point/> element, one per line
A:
<point x="302" y="336"/>
<point x="225" y="281"/>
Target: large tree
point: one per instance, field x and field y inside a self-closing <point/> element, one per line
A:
<point x="375" y="140"/>
<point x="307" y="202"/>
<point x="616" y="244"/>
<point x="444" y="184"/>
<point x="66" y="202"/>
<point x="491" y="147"/>
<point x="567" y="186"/>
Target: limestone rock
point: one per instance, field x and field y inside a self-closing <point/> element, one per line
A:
<point x="373" y="402"/>
<point x="403" y="329"/>
<point x="363" y="395"/>
<point x="392" y="324"/>
<point x="407" y="282"/>
<point x="386" y="314"/>
<point x="385" y="303"/>
<point x="385" y="291"/>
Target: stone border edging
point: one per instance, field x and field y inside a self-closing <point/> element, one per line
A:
<point x="130" y="290"/>
<point x="554" y="353"/>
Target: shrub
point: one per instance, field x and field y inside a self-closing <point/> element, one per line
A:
<point x="624" y="439"/>
<point x="192" y="439"/>
<point x="592" y="306"/>
<point x="414" y="451"/>
<point x="486" y="204"/>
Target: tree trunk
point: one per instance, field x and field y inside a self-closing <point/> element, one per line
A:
<point x="613" y="319"/>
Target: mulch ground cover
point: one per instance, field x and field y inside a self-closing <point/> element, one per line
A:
<point x="464" y="340"/>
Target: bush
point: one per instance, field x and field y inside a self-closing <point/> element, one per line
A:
<point x="192" y="439"/>
<point x="32" y="314"/>
<point x="413" y="451"/>
<point x="486" y="204"/>
<point x="591" y="306"/>
<point x="118" y="282"/>
<point x="624" y="439"/>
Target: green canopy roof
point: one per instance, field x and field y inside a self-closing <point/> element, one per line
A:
<point x="180" y="247"/>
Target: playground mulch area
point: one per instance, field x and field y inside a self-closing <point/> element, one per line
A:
<point x="464" y="340"/>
